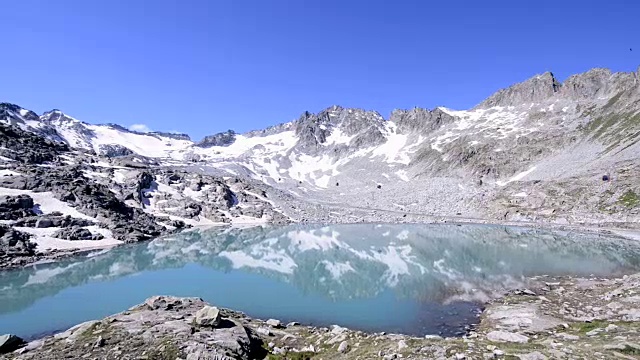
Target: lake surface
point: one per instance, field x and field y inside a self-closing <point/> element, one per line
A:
<point x="412" y="279"/>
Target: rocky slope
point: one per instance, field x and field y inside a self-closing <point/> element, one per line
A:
<point x="563" y="318"/>
<point x="541" y="150"/>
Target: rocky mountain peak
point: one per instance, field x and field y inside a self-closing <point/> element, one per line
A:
<point x="314" y="129"/>
<point x="597" y="83"/>
<point x="534" y="90"/>
<point x="12" y="113"/>
<point x="57" y="116"/>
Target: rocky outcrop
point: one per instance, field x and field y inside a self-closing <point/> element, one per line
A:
<point x="76" y="233"/>
<point x="171" y="135"/>
<point x="52" y="220"/>
<point x="535" y="90"/>
<point x="26" y="147"/>
<point x="14" y="243"/>
<point x="220" y="139"/>
<point x="113" y="150"/>
<point x="420" y="120"/>
<point x="16" y="207"/>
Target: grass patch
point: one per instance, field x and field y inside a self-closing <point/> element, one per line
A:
<point x="303" y="355"/>
<point x="585" y="327"/>
<point x="166" y="351"/>
<point x="618" y="127"/>
<point x="612" y="101"/>
<point x="630" y="350"/>
<point x="629" y="199"/>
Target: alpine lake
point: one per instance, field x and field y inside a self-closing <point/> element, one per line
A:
<point x="410" y="279"/>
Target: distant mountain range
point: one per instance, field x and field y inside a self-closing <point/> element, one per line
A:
<point x="539" y="150"/>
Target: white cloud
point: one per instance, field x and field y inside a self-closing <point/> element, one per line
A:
<point x="140" y="128"/>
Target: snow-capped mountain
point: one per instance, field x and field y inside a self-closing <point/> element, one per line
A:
<point x="538" y="148"/>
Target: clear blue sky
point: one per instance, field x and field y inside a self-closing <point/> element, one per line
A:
<point x="203" y="66"/>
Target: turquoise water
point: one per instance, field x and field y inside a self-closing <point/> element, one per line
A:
<point x="414" y="279"/>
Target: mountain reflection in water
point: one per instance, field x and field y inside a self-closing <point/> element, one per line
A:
<point x="405" y="278"/>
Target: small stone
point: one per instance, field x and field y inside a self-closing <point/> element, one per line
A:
<point x="491" y="347"/>
<point x="274" y="323"/>
<point x="498" y="352"/>
<point x="595" y="332"/>
<point x="293" y="323"/>
<point x="433" y="337"/>
<point x="611" y="328"/>
<point x="271" y="344"/>
<point x="566" y="336"/>
<point x="460" y="356"/>
<point x="390" y="357"/>
<point x="343" y="347"/>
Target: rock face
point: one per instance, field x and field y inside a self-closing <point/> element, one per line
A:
<point x="221" y="139"/>
<point x="114" y="150"/>
<point x="15" y="243"/>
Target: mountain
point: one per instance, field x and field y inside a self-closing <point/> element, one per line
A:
<point x="540" y="150"/>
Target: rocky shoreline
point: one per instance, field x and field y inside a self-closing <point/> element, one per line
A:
<point x="554" y="318"/>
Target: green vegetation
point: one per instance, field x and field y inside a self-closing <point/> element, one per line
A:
<point x="612" y="101"/>
<point x="629" y="199"/>
<point x="88" y="333"/>
<point x="619" y="126"/>
<point x="630" y="350"/>
<point x="303" y="355"/>
<point x="166" y="351"/>
<point x="585" y="327"/>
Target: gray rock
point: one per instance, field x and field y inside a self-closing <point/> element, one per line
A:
<point x="274" y="323"/>
<point x="343" y="347"/>
<point x="76" y="233"/>
<point x="221" y="139"/>
<point x="208" y="316"/>
<point x="504" y="336"/>
<point x="536" y="355"/>
<point x="43" y="223"/>
<point x="9" y="343"/>
<point x="114" y="150"/>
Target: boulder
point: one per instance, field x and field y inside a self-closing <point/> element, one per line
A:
<point x="44" y="223"/>
<point x="208" y="316"/>
<point x="76" y="233"/>
<point x="9" y="343"/>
